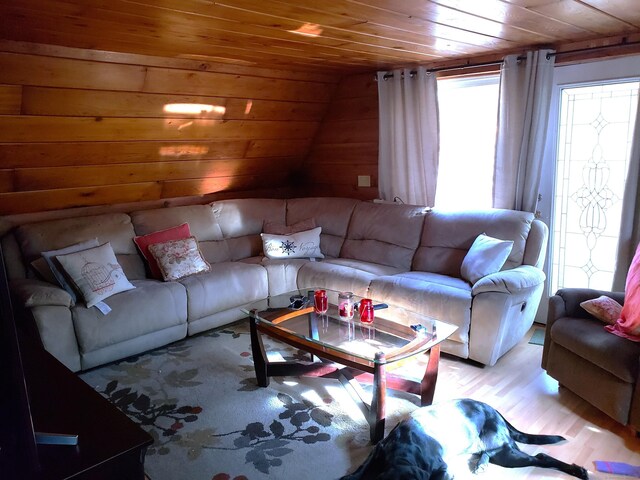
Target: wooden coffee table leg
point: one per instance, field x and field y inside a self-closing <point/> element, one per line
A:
<point x="378" y="400"/>
<point x="259" y="354"/>
<point x="428" y="384"/>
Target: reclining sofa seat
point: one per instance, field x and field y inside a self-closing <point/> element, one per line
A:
<point x="151" y="315"/>
<point x="580" y="354"/>
<point x="228" y="236"/>
<point x="493" y="314"/>
<point x="380" y="240"/>
<point x="411" y="256"/>
<point x="399" y="254"/>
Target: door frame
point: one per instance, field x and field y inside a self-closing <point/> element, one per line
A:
<point x="623" y="68"/>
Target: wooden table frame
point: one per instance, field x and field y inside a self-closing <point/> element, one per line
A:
<point x="353" y="370"/>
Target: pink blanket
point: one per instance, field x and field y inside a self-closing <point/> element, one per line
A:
<point x="628" y="325"/>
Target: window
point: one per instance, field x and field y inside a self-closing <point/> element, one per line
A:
<point x="594" y="142"/>
<point x="468" y="109"/>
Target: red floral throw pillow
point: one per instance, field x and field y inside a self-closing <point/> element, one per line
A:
<point x="628" y="325"/>
<point x="179" y="232"/>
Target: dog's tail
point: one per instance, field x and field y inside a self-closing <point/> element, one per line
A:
<point x="530" y="438"/>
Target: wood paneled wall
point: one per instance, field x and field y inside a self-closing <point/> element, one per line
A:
<point x="347" y="144"/>
<point x="81" y="128"/>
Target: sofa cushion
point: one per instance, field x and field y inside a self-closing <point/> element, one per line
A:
<point x="144" y="241"/>
<point x="282" y="274"/>
<point x="202" y="222"/>
<point x="281" y="229"/>
<point x="437" y="296"/>
<point x="95" y="272"/>
<point x="486" y="256"/>
<point x="150" y="307"/>
<point x="383" y="233"/>
<point x="115" y="228"/>
<point x="241" y="222"/>
<point x="603" y="308"/>
<point x="179" y="258"/>
<point x="448" y="235"/>
<point x="369" y="267"/>
<point x="335" y="276"/>
<point x="332" y="214"/>
<point x="296" y="245"/>
<point x="227" y="285"/>
<point x="56" y="270"/>
<point x="587" y="338"/>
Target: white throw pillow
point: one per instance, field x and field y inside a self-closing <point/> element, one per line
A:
<point x="297" y="245"/>
<point x="486" y="256"/>
<point x="55" y="268"/>
<point x="95" y="272"/>
<point x="179" y="258"/>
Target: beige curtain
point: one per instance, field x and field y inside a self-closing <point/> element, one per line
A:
<point x="523" y="113"/>
<point x="630" y="221"/>
<point x="409" y="133"/>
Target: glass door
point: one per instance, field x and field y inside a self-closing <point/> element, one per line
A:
<point x="586" y="161"/>
<point x="592" y="158"/>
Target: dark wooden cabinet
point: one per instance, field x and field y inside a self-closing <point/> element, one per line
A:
<point x="110" y="445"/>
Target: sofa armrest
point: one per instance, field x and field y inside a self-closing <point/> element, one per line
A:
<point x="37" y="293"/>
<point x="510" y="281"/>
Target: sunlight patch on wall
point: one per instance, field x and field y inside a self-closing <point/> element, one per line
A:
<point x="183" y="150"/>
<point x="194" y="108"/>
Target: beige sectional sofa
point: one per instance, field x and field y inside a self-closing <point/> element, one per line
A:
<point x="404" y="255"/>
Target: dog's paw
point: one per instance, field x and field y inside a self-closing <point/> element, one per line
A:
<point x="478" y="462"/>
<point x="580" y="472"/>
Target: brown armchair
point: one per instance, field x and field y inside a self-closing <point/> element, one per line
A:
<point x="600" y="367"/>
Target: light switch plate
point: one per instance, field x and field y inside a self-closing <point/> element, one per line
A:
<point x="364" y="180"/>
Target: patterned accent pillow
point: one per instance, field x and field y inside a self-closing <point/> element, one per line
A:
<point x="605" y="309"/>
<point x="55" y="272"/>
<point x="179" y="258"/>
<point x="297" y="245"/>
<point x="95" y="272"/>
<point x="486" y="256"/>
<point x="280" y="229"/>
<point x="143" y="241"/>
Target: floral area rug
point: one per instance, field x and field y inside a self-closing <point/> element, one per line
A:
<point x="200" y="402"/>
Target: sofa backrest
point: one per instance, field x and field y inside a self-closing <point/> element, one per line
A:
<point x="203" y="225"/>
<point x="448" y="235"/>
<point x="241" y="222"/>
<point x="387" y="234"/>
<point x="330" y="213"/>
<point x="116" y="228"/>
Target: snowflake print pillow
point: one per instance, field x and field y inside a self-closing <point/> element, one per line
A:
<point x="297" y="245"/>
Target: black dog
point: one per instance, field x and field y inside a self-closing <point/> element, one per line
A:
<point x="419" y="447"/>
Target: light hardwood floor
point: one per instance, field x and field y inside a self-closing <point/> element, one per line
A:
<point x="532" y="401"/>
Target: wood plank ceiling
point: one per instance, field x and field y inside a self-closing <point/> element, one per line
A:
<point x="85" y="86"/>
<point x="332" y="35"/>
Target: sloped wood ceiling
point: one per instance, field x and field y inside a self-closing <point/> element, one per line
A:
<point x="85" y="84"/>
<point x="344" y="35"/>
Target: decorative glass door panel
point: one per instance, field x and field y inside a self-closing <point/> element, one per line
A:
<point x="594" y="142"/>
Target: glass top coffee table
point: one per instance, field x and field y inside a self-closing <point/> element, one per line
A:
<point x="348" y="347"/>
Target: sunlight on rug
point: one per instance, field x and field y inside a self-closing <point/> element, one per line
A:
<point x="199" y="400"/>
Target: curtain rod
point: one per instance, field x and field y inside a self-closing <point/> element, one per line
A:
<point x="622" y="43"/>
<point x="463" y="66"/>
<point x="455" y="67"/>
